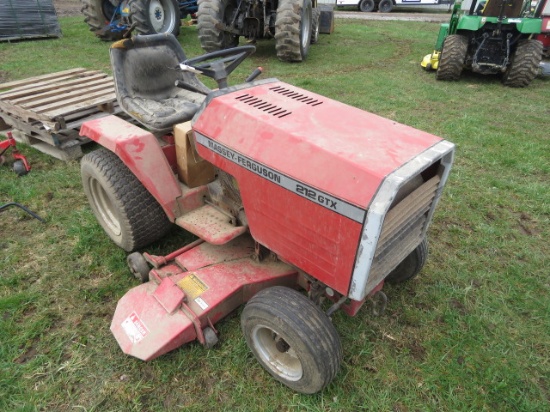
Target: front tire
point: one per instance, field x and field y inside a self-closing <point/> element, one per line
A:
<point x="292" y="339"/>
<point x="210" y="14"/>
<point x="525" y="63"/>
<point x="155" y="16"/>
<point x="452" y="57"/>
<point x="138" y="266"/>
<point x="19" y="168"/>
<point x="128" y="213"/>
<point x="411" y="265"/>
<point x="293" y="30"/>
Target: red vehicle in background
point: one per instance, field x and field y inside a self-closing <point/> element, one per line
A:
<point x="544" y="37"/>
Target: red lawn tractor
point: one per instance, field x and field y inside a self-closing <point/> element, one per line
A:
<point x="298" y="203"/>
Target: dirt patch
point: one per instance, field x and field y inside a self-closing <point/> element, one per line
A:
<point x="67" y="7"/>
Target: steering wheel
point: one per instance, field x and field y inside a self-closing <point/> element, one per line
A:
<point x="219" y="64"/>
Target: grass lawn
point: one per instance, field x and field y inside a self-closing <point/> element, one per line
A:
<point x="471" y="333"/>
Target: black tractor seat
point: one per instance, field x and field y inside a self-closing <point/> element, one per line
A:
<point x="145" y="69"/>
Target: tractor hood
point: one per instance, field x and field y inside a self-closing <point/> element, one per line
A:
<point x="282" y="130"/>
<point x="318" y="177"/>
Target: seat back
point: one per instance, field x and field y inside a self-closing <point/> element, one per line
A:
<point x="512" y="8"/>
<point x="145" y="68"/>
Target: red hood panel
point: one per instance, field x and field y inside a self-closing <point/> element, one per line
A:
<point x="329" y="145"/>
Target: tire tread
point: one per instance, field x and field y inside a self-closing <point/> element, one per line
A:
<point x="142" y="217"/>
<point x="300" y="314"/>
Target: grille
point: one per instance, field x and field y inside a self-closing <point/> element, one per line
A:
<point x="402" y="229"/>
<point x="264" y="106"/>
<point x="300" y="97"/>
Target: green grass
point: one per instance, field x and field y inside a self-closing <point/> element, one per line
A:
<point x="471" y="333"/>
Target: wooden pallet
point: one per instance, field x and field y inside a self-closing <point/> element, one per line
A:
<point x="47" y="111"/>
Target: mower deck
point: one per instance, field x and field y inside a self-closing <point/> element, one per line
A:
<point x="190" y="294"/>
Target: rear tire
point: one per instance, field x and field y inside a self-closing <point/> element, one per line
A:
<point x="452" y="57"/>
<point x="524" y="66"/>
<point x="385" y="6"/>
<point x="128" y="213"/>
<point x="292" y="339"/>
<point x="411" y="265"/>
<point x="210" y="13"/>
<point x="366" y="6"/>
<point x="155" y="16"/>
<point x="97" y="14"/>
<point x="315" y="23"/>
<point x="293" y="30"/>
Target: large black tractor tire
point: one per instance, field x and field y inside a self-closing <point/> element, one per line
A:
<point x="366" y="6"/>
<point x="155" y="16"/>
<point x="293" y="28"/>
<point x="209" y="15"/>
<point x="524" y="66"/>
<point x="411" y="265"/>
<point x="292" y="339"/>
<point x="124" y="208"/>
<point x="453" y="55"/>
<point x="385" y="6"/>
<point x="97" y="14"/>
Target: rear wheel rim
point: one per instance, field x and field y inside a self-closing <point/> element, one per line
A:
<point x="276" y="353"/>
<point x="161" y="16"/>
<point x="108" y="9"/>
<point x="306" y="28"/>
<point x="105" y="207"/>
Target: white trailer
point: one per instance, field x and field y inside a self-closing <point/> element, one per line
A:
<point x="385" y="6"/>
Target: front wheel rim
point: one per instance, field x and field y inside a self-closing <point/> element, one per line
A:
<point x="276" y="353"/>
<point x="104" y="206"/>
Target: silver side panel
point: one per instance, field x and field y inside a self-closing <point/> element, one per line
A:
<point x="389" y="236"/>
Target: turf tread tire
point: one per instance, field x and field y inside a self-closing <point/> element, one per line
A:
<point x="288" y="31"/>
<point x="209" y="14"/>
<point x="301" y="322"/>
<point x="411" y="265"/>
<point x="453" y="55"/>
<point x="142" y="219"/>
<point x="138" y="16"/>
<point x="525" y="63"/>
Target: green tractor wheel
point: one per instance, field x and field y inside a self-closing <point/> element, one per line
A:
<point x="453" y="55"/>
<point x="525" y="63"/>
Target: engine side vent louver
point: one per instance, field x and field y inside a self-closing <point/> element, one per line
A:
<point x="263" y="105"/>
<point x="296" y="96"/>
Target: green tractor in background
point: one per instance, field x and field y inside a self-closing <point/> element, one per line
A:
<point x="490" y="37"/>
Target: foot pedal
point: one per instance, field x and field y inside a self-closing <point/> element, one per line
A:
<point x="211" y="225"/>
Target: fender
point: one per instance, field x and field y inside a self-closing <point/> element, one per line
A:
<point x="141" y="152"/>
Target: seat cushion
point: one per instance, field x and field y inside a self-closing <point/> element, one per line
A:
<point x="162" y="114"/>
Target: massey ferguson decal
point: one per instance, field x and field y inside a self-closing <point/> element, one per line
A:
<point x="301" y="189"/>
